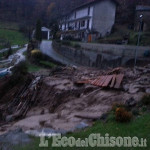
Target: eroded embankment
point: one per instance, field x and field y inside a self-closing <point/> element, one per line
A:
<point x="59" y="102"/>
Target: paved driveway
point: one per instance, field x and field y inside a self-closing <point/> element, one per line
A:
<point x="46" y="48"/>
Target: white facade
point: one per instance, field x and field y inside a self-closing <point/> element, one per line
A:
<point x="78" y="20"/>
<point x="98" y="17"/>
<point x="44" y="29"/>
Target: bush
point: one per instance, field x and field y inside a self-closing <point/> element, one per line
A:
<point x="146" y="100"/>
<point x="122" y="115"/>
<point x="67" y="43"/>
<point x="117" y="105"/>
<point x="58" y="41"/>
<point x="36" y="54"/>
<point x="77" y="46"/>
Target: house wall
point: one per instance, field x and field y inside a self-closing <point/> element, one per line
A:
<point x="80" y="14"/>
<point x="104" y="16"/>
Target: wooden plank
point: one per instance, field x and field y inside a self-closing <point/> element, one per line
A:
<point x="119" y="79"/>
<point x="104" y="79"/>
<point x="113" y="81"/>
<point x="94" y="81"/>
<point x="98" y="80"/>
<point x="101" y="80"/>
<point x="107" y="81"/>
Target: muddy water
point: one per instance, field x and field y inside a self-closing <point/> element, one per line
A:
<point x="13" y="60"/>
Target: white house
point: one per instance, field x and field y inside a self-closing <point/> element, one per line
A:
<point x="46" y="33"/>
<point x="89" y="21"/>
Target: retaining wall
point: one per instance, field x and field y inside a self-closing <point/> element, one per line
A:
<point x="100" y="55"/>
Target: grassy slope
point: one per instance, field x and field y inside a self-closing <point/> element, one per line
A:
<point x="139" y="127"/>
<point x="33" y="68"/>
<point x="9" y="25"/>
<point x="15" y="37"/>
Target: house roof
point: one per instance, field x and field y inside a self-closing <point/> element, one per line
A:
<point x="45" y="29"/>
<point x="142" y="8"/>
<point x="86" y="4"/>
<point x="94" y="1"/>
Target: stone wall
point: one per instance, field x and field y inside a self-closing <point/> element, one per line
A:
<point x="100" y="55"/>
<point x="119" y="50"/>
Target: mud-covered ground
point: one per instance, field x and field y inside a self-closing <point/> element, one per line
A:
<point x="54" y="99"/>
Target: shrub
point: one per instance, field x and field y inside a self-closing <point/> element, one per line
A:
<point x="77" y="46"/>
<point x="67" y="43"/>
<point x="146" y="100"/>
<point x="135" y="111"/>
<point x="58" y="41"/>
<point x="117" y="105"/>
<point x="36" y="54"/>
<point x="122" y="115"/>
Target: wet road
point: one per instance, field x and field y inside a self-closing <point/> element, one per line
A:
<point x="46" y="48"/>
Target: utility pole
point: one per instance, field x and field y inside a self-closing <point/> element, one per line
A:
<point x="139" y="38"/>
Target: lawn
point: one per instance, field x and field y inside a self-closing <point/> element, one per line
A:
<point x="14" y="37"/>
<point x="9" y="25"/>
<point x="47" y="64"/>
<point x="33" y="67"/>
<point x="140" y="127"/>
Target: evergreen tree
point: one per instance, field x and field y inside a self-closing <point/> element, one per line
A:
<point x="38" y="32"/>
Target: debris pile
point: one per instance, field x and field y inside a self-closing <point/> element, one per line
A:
<point x="70" y="95"/>
<point x="22" y="101"/>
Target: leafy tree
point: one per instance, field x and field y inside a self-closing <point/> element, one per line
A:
<point x="38" y="32"/>
<point x="54" y="29"/>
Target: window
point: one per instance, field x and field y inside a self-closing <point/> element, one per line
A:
<point x="83" y="23"/>
<point x="88" y="10"/>
<point x="88" y="22"/>
<point x="75" y="14"/>
<point x="75" y="24"/>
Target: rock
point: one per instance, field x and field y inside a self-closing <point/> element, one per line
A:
<point x="45" y="131"/>
<point x="133" y="89"/>
<point x="81" y="125"/>
<point x="126" y="87"/>
<point x="131" y="102"/>
<point x="104" y="116"/>
<point x="148" y="91"/>
<point x="9" y="118"/>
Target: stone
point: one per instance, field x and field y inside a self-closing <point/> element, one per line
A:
<point x="130" y="102"/>
<point x="148" y="91"/>
<point x="133" y="89"/>
<point x="9" y="118"/>
<point x="126" y="87"/>
<point x="81" y="125"/>
<point x="45" y="131"/>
